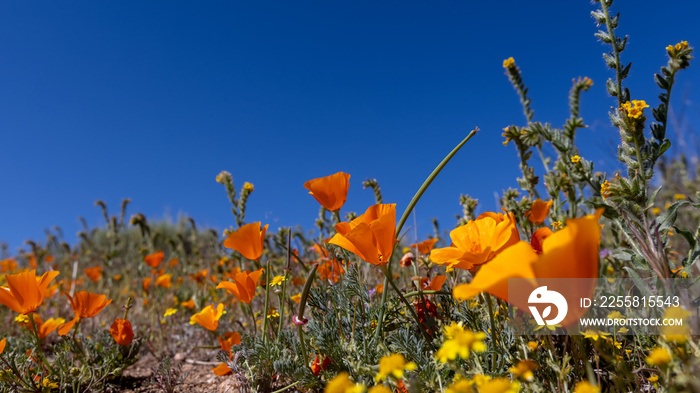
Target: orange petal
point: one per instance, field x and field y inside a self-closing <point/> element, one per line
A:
<point x="221" y="370"/>
<point x="66" y="327"/>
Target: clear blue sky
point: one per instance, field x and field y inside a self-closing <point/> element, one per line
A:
<point x="150" y="100"/>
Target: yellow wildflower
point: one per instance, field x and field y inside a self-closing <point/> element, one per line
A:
<point x="653" y="378"/>
<point x="169" y="312"/>
<point x="273" y="313"/>
<point x="460" y="342"/>
<point x="379" y="389"/>
<point x="342" y="383"/>
<point x="533" y="345"/>
<point x="556" y="224"/>
<point x="296" y="298"/>
<point x="634" y="108"/>
<point x="277" y="280"/>
<point x="523" y="370"/>
<point x="393" y="365"/>
<point x="500" y="385"/>
<point x="659" y="357"/>
<point x="248" y="187"/>
<point x="656" y="211"/>
<point x="586" y="387"/>
<point x="592" y="334"/>
<point x="677" y="334"/>
<point x="605" y="189"/>
<point x="679" y="197"/>
<point x="575" y="159"/>
<point x="509" y="62"/>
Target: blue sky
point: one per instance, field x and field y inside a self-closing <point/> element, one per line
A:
<point x="151" y="100"/>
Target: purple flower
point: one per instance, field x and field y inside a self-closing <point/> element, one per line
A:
<point x="604" y="253"/>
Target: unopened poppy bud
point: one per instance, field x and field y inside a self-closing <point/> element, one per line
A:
<point x="300" y="322"/>
<point x="407" y="259"/>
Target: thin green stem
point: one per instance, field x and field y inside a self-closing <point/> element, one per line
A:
<point x="405" y="216"/>
<point x="38" y="344"/>
<point x="267" y="300"/>
<point x="302" y="307"/>
<point x="287" y="387"/>
<point x="430" y="179"/>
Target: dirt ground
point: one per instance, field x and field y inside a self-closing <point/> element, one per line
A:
<point x="198" y="377"/>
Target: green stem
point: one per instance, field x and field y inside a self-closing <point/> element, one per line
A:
<point x="38" y="344"/>
<point x="302" y="307"/>
<point x="426" y="292"/>
<point x="267" y="300"/>
<point x="287" y="387"/>
<point x="430" y="179"/>
<point x="405" y="215"/>
<point x="494" y="336"/>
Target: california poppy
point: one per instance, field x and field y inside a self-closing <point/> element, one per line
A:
<point x="434" y="284"/>
<point x="164" y="281"/>
<point x="188" y="304"/>
<point x="229" y="340"/>
<point x="146" y="283"/>
<point x="539" y="211"/>
<point x="84" y="305"/>
<point x="8" y="266"/>
<point x="243" y="285"/>
<point x="569" y="253"/>
<point x="208" y="317"/>
<point x="370" y="236"/>
<point x="94" y="273"/>
<point x="478" y="241"/>
<point x="45" y="328"/>
<point x="25" y="291"/>
<point x="2" y="345"/>
<point x="330" y="269"/>
<point x="221" y="370"/>
<point x="249" y="240"/>
<point x="153" y="260"/>
<point x="425" y="246"/>
<point x="121" y="331"/>
<point x="538" y="237"/>
<point x="330" y="191"/>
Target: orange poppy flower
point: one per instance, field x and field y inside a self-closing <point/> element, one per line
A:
<point x="32" y="262"/>
<point x="298" y="281"/>
<point x="94" y="273"/>
<point x="164" y="281"/>
<point x="569" y="253"/>
<point x="45" y="328"/>
<point x="25" y="291"/>
<point x="121" y="331"/>
<point x="221" y="370"/>
<point x="229" y="340"/>
<point x="379" y="288"/>
<point x="249" y="240"/>
<point x="538" y="237"/>
<point x="370" y="236"/>
<point x="243" y="285"/>
<point x="330" y="191"/>
<point x="432" y="285"/>
<point x="2" y="345"/>
<point x="208" y="317"/>
<point x="154" y="260"/>
<point x="478" y="241"/>
<point x="425" y="246"/>
<point x="173" y="262"/>
<point x="8" y="266"/>
<point x="539" y="211"/>
<point x="330" y="270"/>
<point x="84" y="305"/>
<point x="188" y="304"/>
<point x="146" y="283"/>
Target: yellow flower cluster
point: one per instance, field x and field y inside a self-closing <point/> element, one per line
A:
<point x="635" y="108"/>
<point x="393" y="365"/>
<point x="460" y="342"/>
<point x="659" y="357"/>
<point x="509" y="62"/>
<point x="575" y="159"/>
<point x="248" y="187"/>
<point x="587" y="81"/>
<point x="671" y="49"/>
<point x="605" y="189"/>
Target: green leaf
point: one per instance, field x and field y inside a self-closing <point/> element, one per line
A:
<point x="688" y="236"/>
<point x="639" y="282"/>
<point x="666" y="220"/>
